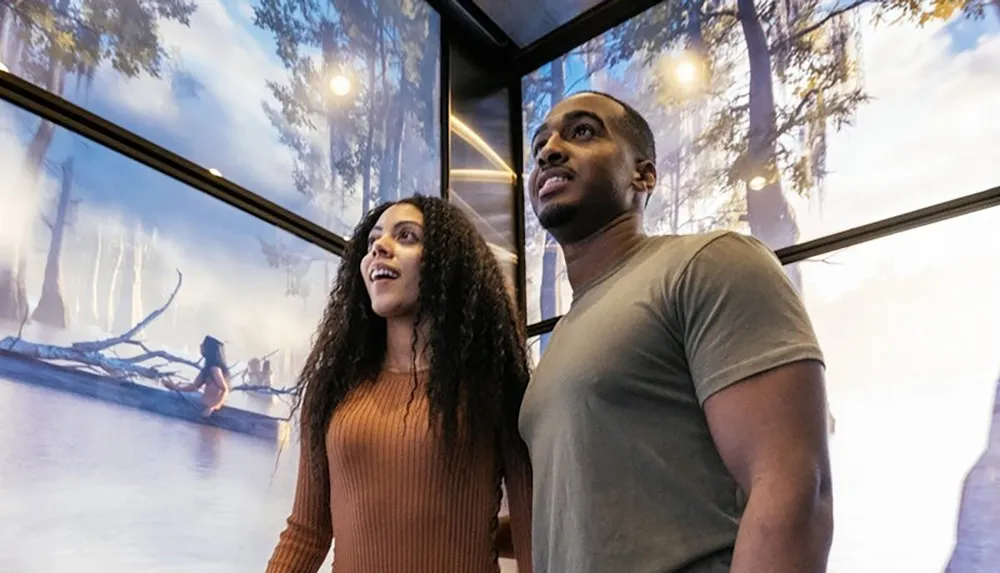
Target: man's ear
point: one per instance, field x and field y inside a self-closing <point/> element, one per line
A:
<point x="644" y="178"/>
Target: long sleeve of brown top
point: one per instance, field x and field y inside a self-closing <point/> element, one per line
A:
<point x="517" y="476"/>
<point x="308" y="534"/>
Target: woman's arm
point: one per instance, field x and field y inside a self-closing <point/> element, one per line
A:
<point x="514" y="534"/>
<point x="305" y="541"/>
<point x="195" y="384"/>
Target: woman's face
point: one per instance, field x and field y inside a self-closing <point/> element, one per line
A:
<point x="391" y="269"/>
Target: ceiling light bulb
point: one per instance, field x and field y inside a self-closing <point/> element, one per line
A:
<point x="340" y="85"/>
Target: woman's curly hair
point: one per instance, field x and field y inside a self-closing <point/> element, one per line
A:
<point x="478" y="362"/>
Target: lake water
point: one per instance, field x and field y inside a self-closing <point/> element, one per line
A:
<point x="91" y="487"/>
<point x="87" y="486"/>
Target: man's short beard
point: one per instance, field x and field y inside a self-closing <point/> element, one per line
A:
<point x="555" y="216"/>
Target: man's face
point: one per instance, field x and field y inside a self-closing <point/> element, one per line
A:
<point x="584" y="172"/>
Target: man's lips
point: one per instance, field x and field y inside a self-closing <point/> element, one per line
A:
<point x="553" y="182"/>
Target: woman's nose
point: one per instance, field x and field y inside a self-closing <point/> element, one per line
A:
<point x="380" y="248"/>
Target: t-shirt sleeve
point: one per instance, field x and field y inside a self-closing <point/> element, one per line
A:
<point x="739" y="314"/>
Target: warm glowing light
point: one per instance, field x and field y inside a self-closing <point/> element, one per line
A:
<point x="477" y="143"/>
<point x="215" y="172"/>
<point x="482" y="175"/>
<point x="340" y="85"/>
<point x="686" y="72"/>
<point x="4" y="68"/>
<point x="757" y="183"/>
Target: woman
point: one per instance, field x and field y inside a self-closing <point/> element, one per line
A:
<point x="214" y="377"/>
<point x="409" y="407"/>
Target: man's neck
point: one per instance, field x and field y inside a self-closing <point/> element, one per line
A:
<point x="399" y="347"/>
<point x="593" y="257"/>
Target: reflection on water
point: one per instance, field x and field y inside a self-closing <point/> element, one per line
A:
<point x="91" y="487"/>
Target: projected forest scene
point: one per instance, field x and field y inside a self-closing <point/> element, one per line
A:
<point x="118" y="284"/>
<point x="791" y="120"/>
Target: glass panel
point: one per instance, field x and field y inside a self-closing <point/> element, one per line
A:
<point x="869" y="120"/>
<point x="513" y="16"/>
<point x="325" y="110"/>
<point x="105" y="475"/>
<point x="908" y="325"/>
<point x="482" y="181"/>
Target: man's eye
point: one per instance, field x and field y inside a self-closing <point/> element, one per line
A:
<point x="583" y="131"/>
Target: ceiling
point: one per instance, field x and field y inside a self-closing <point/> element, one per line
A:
<point x="526" y="21"/>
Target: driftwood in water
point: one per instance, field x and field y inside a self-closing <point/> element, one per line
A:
<point x="91" y="356"/>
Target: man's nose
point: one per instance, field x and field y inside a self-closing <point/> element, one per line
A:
<point x="552" y="153"/>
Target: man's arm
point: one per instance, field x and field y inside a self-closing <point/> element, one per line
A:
<point x="770" y="430"/>
<point x="757" y="370"/>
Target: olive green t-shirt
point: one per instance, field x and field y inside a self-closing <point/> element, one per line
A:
<point x="626" y="476"/>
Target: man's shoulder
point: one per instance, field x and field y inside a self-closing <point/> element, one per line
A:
<point x="675" y="253"/>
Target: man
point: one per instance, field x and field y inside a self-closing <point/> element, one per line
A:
<point x="677" y="420"/>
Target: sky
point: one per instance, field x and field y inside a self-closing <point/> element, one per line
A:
<point x="207" y="107"/>
<point x="925" y="137"/>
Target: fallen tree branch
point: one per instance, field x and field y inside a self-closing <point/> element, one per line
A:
<point x="130" y="334"/>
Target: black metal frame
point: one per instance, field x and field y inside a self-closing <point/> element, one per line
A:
<point x="82" y="122"/>
<point x="463" y="24"/>
<point x="517" y="155"/>
<point x="444" y="92"/>
<point x="863" y="234"/>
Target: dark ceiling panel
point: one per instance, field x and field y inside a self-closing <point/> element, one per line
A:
<point x="525" y="21"/>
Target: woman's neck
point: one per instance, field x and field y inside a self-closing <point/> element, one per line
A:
<point x="399" y="347"/>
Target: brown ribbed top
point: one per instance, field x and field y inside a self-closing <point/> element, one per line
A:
<point x="389" y="499"/>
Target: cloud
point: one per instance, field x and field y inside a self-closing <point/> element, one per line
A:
<point x="143" y="96"/>
<point x="225" y="126"/>
<point x="928" y="135"/>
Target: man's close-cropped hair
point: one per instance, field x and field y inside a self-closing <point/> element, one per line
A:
<point x="478" y="363"/>
<point x="634" y="127"/>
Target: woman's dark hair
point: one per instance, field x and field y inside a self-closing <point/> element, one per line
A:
<point x="478" y="363"/>
<point x="214" y="353"/>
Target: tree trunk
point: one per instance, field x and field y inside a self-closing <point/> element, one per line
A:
<point x="977" y="549"/>
<point x="95" y="275"/>
<point x="51" y="308"/>
<point x="13" y="292"/>
<point x="389" y="179"/>
<point x="770" y="217"/>
<point x="550" y="253"/>
<point x="367" y="201"/>
<point x="109" y="317"/>
<point x="129" y="310"/>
